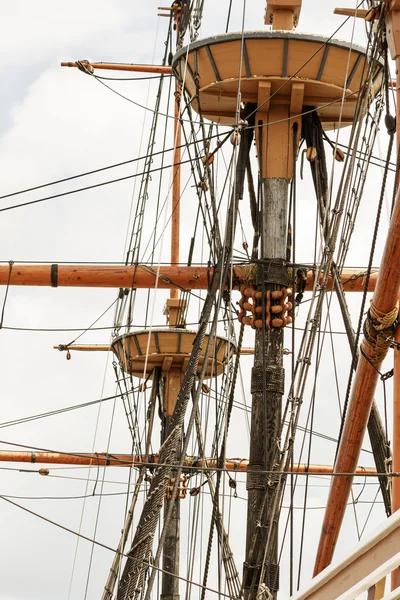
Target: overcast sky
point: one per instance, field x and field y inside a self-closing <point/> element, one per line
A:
<point x="55" y="123"/>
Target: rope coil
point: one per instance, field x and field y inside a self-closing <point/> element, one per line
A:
<point x="379" y="330"/>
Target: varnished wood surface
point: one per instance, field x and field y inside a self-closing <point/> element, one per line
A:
<point x="326" y="68"/>
<point x="162" y="69"/>
<point x="114" y="276"/>
<point x="384" y="299"/>
<point x="126" y="460"/>
<point x="140" y="352"/>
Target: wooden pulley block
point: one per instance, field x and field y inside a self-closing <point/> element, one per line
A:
<point x="235" y="138"/>
<point x="259" y="310"/>
<point x="372" y="14"/>
<point x="258" y="323"/>
<point x="311" y="153"/>
<point x="259" y="295"/>
<point x="203" y="185"/>
<point x="207" y="159"/>
<point x="338" y="154"/>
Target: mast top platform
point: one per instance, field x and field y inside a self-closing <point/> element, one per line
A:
<point x="265" y="69"/>
<point x="139" y="352"/>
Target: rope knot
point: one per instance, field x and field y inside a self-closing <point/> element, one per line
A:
<point x="379" y="330"/>
<point x="263" y="592"/>
<point x="85" y="67"/>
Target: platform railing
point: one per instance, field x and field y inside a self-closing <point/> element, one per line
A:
<point x="363" y="570"/>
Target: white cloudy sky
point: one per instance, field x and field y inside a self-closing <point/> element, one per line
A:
<point x="55" y="123"/>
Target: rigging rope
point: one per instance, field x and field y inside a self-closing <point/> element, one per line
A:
<point x="378" y="442"/>
<point x="134" y="573"/>
<point x="238" y="189"/>
<point x="370" y="326"/>
<point x="305" y="352"/>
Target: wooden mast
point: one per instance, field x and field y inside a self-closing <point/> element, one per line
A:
<point x="384" y="301"/>
<point x="275" y="199"/>
<point x="276" y="135"/>
<point x="383" y="305"/>
<point x="395" y="25"/>
<point x="174" y="311"/>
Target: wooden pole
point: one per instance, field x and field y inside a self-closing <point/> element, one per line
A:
<point x="267" y="390"/>
<point x="173" y="379"/>
<point x="143" y="277"/>
<point x="275" y="145"/>
<point x="102" y="459"/>
<point x="171" y="547"/>
<point x="161" y="69"/>
<point x="384" y="300"/>
<point x="176" y="189"/>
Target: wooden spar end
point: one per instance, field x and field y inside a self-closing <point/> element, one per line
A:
<point x="351" y="12"/>
<point x="107" y="348"/>
<point x="159" y="69"/>
<point x="85" y="347"/>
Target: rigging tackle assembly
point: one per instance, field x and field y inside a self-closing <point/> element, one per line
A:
<point x="225" y="94"/>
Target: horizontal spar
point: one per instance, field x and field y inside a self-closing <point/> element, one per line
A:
<point x="162" y="69"/>
<point x="127" y="460"/>
<point x="145" y="277"/>
<point x="108" y="348"/>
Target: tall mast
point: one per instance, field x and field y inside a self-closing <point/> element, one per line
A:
<point x="381" y="317"/>
<point x="303" y="73"/>
<point x="174" y="311"/>
<point x="276" y="137"/>
<point x="275" y="102"/>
